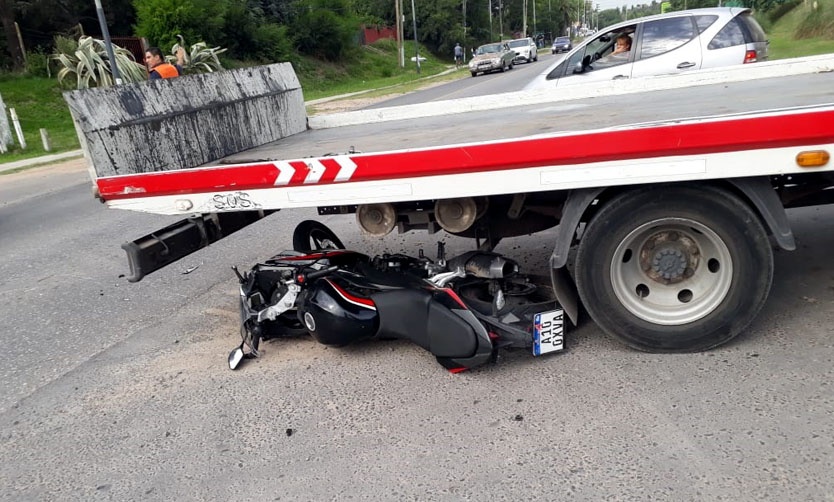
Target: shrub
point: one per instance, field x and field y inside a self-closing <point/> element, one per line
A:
<point x="199" y="58"/>
<point x="88" y="62"/>
<point x="37" y="64"/>
<point x="781" y="9"/>
<point x="818" y="22"/>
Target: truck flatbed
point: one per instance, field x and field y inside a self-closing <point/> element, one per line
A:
<point x="384" y="130"/>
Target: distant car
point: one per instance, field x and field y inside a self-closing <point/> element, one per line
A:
<point x="525" y="50"/>
<point x="561" y="44"/>
<point x="491" y="57"/>
<point x="664" y="44"/>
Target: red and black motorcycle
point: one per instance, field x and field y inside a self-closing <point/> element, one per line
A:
<point x="462" y="310"/>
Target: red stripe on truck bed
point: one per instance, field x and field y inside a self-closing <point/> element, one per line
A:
<point x="702" y="137"/>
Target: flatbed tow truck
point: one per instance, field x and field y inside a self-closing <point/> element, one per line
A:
<point x="671" y="190"/>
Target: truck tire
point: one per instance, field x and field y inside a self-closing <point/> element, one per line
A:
<point x="674" y="268"/>
<point x="310" y="235"/>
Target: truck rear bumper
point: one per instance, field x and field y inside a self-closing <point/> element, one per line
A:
<point x="167" y="245"/>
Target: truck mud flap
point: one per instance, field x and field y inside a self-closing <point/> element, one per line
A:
<point x="167" y="245"/>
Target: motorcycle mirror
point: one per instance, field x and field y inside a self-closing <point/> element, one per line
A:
<point x="235" y="357"/>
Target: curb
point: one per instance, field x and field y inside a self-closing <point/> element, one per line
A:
<point x="43" y="159"/>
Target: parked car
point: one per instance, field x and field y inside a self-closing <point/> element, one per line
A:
<point x="491" y="57"/>
<point x="525" y="50"/>
<point x="561" y="44"/>
<point x="663" y="44"/>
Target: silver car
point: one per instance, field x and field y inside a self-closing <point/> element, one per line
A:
<point x="491" y="57"/>
<point x="668" y="43"/>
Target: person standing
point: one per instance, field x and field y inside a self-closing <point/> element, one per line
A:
<point x="458" y="56"/>
<point x="158" y="68"/>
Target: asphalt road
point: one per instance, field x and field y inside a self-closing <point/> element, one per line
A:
<point x="118" y="391"/>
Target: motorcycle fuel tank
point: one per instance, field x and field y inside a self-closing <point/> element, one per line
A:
<point x="334" y="316"/>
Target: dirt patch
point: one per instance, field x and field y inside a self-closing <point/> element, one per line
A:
<point x="347" y="105"/>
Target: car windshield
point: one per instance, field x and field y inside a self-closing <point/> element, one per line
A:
<point x="489" y="49"/>
<point x="562" y="40"/>
<point x="519" y="43"/>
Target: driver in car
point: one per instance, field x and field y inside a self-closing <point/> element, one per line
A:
<point x="620" y="53"/>
<point x="623" y="44"/>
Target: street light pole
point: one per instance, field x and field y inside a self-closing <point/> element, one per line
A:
<point x="114" y="68"/>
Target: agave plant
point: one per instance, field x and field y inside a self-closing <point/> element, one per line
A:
<point x="199" y="59"/>
<point x="87" y="60"/>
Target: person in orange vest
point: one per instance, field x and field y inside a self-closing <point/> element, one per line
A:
<point x="158" y="68"/>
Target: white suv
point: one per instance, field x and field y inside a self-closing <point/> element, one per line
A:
<point x="525" y="49"/>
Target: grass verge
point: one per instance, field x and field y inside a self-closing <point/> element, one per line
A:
<point x="39" y="105"/>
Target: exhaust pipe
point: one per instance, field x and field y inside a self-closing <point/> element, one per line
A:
<point x="484" y="265"/>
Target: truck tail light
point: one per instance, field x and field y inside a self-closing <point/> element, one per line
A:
<point x="812" y="158"/>
<point x="750" y="57"/>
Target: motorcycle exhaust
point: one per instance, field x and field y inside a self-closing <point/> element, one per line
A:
<point x="484" y="265"/>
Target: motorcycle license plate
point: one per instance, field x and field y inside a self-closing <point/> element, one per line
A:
<point x="548" y="332"/>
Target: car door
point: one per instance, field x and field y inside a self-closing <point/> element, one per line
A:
<point x="591" y="63"/>
<point x="667" y="46"/>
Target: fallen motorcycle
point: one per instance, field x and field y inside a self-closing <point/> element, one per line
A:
<point x="462" y="310"/>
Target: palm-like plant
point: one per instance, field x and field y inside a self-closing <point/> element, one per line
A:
<point x="87" y="60"/>
<point x="199" y="59"/>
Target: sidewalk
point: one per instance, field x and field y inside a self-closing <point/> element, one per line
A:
<point x="43" y="159"/>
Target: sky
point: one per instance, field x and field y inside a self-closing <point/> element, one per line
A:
<point x="616" y="4"/>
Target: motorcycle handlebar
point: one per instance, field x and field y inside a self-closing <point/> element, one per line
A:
<point x="320" y="273"/>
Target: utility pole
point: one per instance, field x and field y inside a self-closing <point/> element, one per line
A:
<point x="501" y="19"/>
<point x="416" y="47"/>
<point x="524" y="17"/>
<point x="464" y="31"/>
<point x="399" y="28"/>
<point x="491" y="36"/>
<point x="534" y="21"/>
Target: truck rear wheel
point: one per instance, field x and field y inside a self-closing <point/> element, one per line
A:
<point x="674" y="269"/>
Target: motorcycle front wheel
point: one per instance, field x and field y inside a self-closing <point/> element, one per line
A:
<point x="310" y="235"/>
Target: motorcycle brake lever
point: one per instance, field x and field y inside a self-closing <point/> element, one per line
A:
<point x="443" y="278"/>
<point x="318" y="273"/>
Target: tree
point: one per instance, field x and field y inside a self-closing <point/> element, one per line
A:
<point x="160" y="21"/>
<point x="324" y="28"/>
<point x="12" y="45"/>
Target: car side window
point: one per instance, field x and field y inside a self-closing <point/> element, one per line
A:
<point x="705" y="21"/>
<point x="664" y="35"/>
<point x="729" y="36"/>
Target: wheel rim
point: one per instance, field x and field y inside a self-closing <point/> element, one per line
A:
<point x="671" y="271"/>
<point x="321" y="241"/>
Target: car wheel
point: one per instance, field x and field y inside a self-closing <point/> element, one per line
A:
<point x="511" y="65"/>
<point x="674" y="269"/>
<point x="474" y="73"/>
